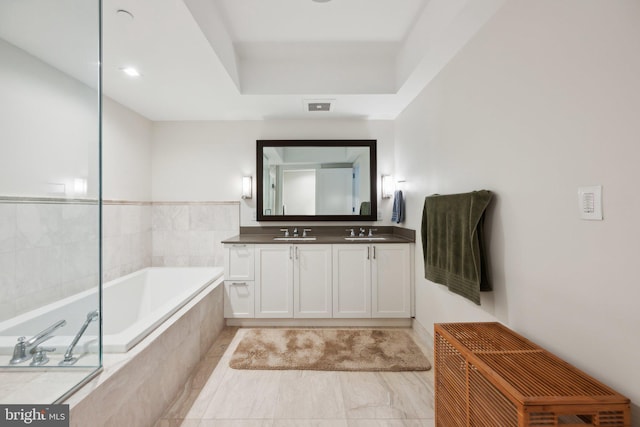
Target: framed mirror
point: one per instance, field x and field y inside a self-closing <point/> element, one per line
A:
<point x="316" y="180"/>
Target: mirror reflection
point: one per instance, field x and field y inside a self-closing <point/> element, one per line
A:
<point x="316" y="179"/>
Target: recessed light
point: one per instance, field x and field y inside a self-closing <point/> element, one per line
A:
<point x="130" y="71"/>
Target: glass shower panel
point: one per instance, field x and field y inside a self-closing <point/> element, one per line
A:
<point x="50" y="197"/>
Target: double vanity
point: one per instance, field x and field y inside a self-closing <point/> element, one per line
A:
<point x="343" y="274"/>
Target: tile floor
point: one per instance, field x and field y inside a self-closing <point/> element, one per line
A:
<point x="218" y="396"/>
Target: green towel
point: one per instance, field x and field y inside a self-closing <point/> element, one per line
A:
<point x="365" y="208"/>
<point x="453" y="242"/>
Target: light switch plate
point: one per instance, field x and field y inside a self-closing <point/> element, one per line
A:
<point x="590" y="202"/>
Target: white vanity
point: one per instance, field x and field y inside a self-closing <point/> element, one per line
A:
<point x="321" y="279"/>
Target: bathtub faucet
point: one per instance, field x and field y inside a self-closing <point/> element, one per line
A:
<point x="69" y="359"/>
<point x="20" y="350"/>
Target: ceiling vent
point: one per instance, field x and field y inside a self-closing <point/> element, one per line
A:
<point x="317" y="105"/>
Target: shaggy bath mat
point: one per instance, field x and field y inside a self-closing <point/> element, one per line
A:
<point x="329" y="350"/>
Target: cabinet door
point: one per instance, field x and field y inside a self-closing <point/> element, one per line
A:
<point x="351" y="280"/>
<point x="312" y="281"/>
<point x="274" y="280"/>
<point x="238" y="299"/>
<point x="391" y="280"/>
<point x="238" y="262"/>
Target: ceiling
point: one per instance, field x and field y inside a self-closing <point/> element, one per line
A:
<point x="252" y="59"/>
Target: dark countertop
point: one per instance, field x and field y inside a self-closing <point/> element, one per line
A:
<point x="323" y="234"/>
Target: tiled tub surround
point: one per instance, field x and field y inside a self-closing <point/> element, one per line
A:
<point x="135" y="388"/>
<point x="165" y="234"/>
<point x="49" y="249"/>
<point x="190" y="233"/>
<point x="126" y="238"/>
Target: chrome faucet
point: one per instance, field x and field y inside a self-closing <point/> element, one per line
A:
<point x="286" y="231"/>
<point x="361" y="232"/>
<point x="371" y="230"/>
<point x="20" y="349"/>
<point x="304" y="231"/>
<point x="295" y="232"/>
<point x="69" y="359"/>
<point x="351" y="232"/>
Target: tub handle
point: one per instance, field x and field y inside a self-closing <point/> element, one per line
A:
<point x="239" y="283"/>
<point x="40" y="355"/>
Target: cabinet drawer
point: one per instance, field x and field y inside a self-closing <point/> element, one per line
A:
<point x="239" y="262"/>
<point x="239" y="299"/>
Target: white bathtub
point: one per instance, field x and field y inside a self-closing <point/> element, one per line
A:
<point x="133" y="306"/>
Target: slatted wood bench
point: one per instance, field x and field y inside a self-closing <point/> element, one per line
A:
<point x="487" y="375"/>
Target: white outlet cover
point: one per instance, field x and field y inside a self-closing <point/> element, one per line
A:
<point x="590" y="202"/>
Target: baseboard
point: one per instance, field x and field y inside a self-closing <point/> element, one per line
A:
<point x="426" y="337"/>
<point x="345" y="323"/>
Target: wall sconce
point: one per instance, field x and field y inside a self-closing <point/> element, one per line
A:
<point x="247" y="190"/>
<point x="388" y="186"/>
<point x="80" y="186"/>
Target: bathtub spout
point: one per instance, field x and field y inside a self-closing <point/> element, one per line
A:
<point x="20" y="349"/>
<point x="69" y="359"/>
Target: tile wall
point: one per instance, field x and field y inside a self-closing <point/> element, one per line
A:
<point x="166" y="234"/>
<point x="50" y="250"/>
<point x="127" y="238"/>
<point x="189" y="234"/>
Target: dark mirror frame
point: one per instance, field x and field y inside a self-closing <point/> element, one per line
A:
<point x="371" y="143"/>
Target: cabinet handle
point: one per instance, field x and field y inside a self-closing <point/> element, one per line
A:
<point x="239" y="283"/>
<point x="290" y="252"/>
<point x="297" y="253"/>
<point x="368" y="252"/>
<point x="374" y="252"/>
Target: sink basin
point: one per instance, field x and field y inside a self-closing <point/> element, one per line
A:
<point x="286" y="239"/>
<point x="365" y="238"/>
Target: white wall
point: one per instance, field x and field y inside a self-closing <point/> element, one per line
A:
<point x="49" y="138"/>
<point x="126" y="153"/>
<point x="49" y="128"/>
<point x="205" y="161"/>
<point x="546" y="98"/>
<point x="126" y="185"/>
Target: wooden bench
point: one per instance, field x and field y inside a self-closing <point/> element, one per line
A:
<point x="487" y="375"/>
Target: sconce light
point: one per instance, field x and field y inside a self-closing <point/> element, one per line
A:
<point x="80" y="186"/>
<point x="246" y="187"/>
<point x="387" y="186"/>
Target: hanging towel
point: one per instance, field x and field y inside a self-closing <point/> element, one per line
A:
<point x="365" y="208"/>
<point x="453" y="242"/>
<point x="397" y="215"/>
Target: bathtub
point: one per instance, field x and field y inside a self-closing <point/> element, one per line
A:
<point x="133" y="306"/>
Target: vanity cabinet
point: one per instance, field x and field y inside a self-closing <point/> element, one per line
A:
<point x="391" y="280"/>
<point x="274" y="280"/>
<point x="293" y="281"/>
<point x="372" y="281"/>
<point x="239" y="286"/>
<point x="238" y="262"/>
<point x="352" y="280"/>
<point x="312" y="281"/>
